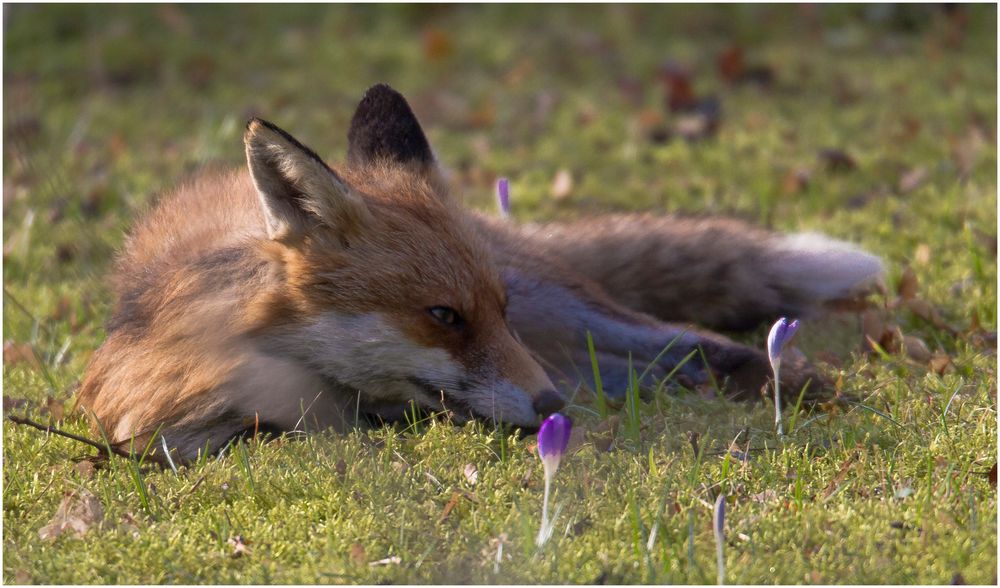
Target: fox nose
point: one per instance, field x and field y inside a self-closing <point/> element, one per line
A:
<point x="547" y="402"/>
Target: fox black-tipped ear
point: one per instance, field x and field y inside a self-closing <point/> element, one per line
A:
<point x="384" y="128"/>
<point x="296" y="189"/>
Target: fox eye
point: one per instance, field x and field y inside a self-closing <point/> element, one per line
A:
<point x="446" y="315"/>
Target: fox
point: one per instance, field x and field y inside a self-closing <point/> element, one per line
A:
<point x="291" y="295"/>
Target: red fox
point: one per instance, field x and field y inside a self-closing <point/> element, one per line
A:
<point x="291" y="295"/>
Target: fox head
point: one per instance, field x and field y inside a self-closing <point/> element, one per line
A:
<point x="385" y="289"/>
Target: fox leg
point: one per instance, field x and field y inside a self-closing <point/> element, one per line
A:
<point x="719" y="273"/>
<point x="553" y="314"/>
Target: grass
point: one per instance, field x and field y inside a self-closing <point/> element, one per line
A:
<point x="107" y="106"/>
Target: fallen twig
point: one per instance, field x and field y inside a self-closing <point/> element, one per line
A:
<point x="50" y="429"/>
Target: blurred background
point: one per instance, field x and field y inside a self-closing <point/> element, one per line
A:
<point x="849" y="119"/>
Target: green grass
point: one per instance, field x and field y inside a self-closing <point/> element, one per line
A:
<point x="107" y="106"/>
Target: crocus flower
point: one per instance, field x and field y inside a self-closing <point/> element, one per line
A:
<point x="503" y="196"/>
<point x="552" y="440"/>
<point x="719" y="527"/>
<point x="780" y="334"/>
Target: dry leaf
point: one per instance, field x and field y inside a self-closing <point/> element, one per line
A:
<point x="358" y="554"/>
<point x="939" y="363"/>
<point x="837" y="160"/>
<point x="78" y="512"/>
<point x="562" y="184"/>
<point x="730" y="64"/>
<point x="471" y="473"/>
<point x="455" y="496"/>
<point x="908" y="285"/>
<point x="872" y="326"/>
<point x="680" y="90"/>
<point x="22" y="577"/>
<point x="437" y="45"/>
<point x="392" y="560"/>
<point x="340" y="467"/>
<point x="240" y="546"/>
<point x="916" y="349"/>
<point x="926" y="311"/>
<point x="693" y="438"/>
<point x="603" y="434"/>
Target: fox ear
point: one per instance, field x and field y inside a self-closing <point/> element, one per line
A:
<point x="384" y="128"/>
<point x="297" y="190"/>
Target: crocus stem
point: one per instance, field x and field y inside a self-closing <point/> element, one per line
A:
<point x="543" y="533"/>
<point x="720" y="561"/>
<point x="777" y="399"/>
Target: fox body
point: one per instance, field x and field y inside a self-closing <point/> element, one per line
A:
<point x="291" y="296"/>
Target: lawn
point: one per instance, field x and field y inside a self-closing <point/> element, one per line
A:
<point x="872" y="124"/>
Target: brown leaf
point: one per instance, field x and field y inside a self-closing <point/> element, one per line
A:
<point x="15" y="353"/>
<point x="939" y="363"/>
<point x="340" y="467"/>
<point x="437" y="45"/>
<point x="471" y="473"/>
<point x="693" y="438"/>
<point x="603" y="433"/>
<point x="992" y="476"/>
<point x="916" y="349"/>
<point x="872" y="327"/>
<point x="908" y="285"/>
<point x="680" y="90"/>
<point x="78" y="512"/>
<point x="730" y="64"/>
<point x="929" y="313"/>
<point x="837" y="160"/>
<point x="22" y="577"/>
<point x="562" y="184"/>
<point x="450" y="506"/>
<point x="358" y="554"/>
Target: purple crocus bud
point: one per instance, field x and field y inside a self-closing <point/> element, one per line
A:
<point x="552" y="440"/>
<point x="553" y="437"/>
<point x="503" y="196"/>
<point x="780" y="334"/>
